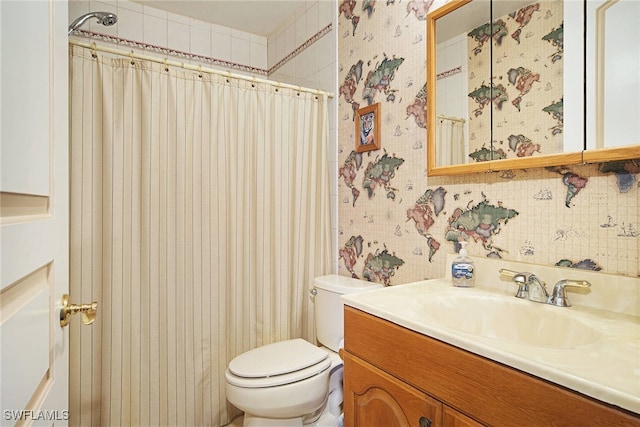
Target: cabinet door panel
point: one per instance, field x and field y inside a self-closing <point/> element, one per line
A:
<point x="375" y="398"/>
<point x="453" y="418"/>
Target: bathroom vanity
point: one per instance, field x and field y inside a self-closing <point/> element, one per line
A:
<point x="397" y="377"/>
<point x="403" y="368"/>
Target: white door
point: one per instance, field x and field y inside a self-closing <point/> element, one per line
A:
<point x="33" y="212"/>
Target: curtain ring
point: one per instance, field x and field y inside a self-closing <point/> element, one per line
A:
<point x="132" y="57"/>
<point x="200" y="71"/>
<point x="166" y="66"/>
<point x="94" y="51"/>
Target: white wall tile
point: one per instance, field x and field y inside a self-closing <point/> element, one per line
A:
<point x="220" y="29"/>
<point x="130" y="24"/>
<point x="300" y="10"/>
<point x="152" y="11"/>
<point x="155" y="31"/>
<point x="271" y="52"/>
<point x="237" y="34"/>
<point x="240" y="51"/>
<point x="129" y="5"/>
<point x="258" y="55"/>
<point x="200" y="41"/>
<point x="287" y="69"/>
<point x="103" y="5"/>
<point x="325" y="13"/>
<point x="163" y="29"/>
<point x="290" y="39"/>
<point x="309" y="65"/>
<point x="255" y="38"/>
<point x="327" y="77"/>
<point x="279" y="51"/>
<point x="77" y="8"/>
<point x="174" y="17"/>
<point x="300" y="31"/>
<point x="312" y="20"/>
<point x="333" y="178"/>
<point x="178" y="36"/>
<point x="326" y="50"/>
<point x="200" y="24"/>
<point x="221" y="45"/>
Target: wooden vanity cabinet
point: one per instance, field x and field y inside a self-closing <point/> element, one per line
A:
<point x="379" y="399"/>
<point x="397" y="377"/>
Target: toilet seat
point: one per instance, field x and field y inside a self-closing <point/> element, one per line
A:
<point x="277" y="364"/>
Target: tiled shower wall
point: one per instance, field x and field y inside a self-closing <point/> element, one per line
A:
<point x="396" y="225"/>
<point x="168" y="30"/>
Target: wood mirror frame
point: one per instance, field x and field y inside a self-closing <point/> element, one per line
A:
<point x="560" y="159"/>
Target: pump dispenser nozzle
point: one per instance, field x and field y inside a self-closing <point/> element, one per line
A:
<point x="463" y="248"/>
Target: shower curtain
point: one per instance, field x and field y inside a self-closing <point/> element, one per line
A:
<point x="451" y="141"/>
<point x="199" y="218"/>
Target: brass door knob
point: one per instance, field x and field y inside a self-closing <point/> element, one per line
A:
<point x="67" y="310"/>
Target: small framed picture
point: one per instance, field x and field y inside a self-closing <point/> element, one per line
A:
<point x="368" y="128"/>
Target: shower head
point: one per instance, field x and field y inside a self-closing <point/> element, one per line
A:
<point x="105" y="18"/>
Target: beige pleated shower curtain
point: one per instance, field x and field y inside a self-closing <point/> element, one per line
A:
<point x="450" y="135"/>
<point x="199" y="217"/>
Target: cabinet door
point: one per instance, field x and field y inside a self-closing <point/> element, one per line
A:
<point x="453" y="418"/>
<point x="375" y="398"/>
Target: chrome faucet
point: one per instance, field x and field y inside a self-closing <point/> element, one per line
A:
<point x="529" y="286"/>
<point x="534" y="289"/>
<point x="559" y="295"/>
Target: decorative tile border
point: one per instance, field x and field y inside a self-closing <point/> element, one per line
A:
<point x="205" y="59"/>
<point x="449" y="73"/>
<point x="317" y="36"/>
<point x="170" y="52"/>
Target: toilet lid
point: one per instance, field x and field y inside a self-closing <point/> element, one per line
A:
<point x="278" y="380"/>
<point x="277" y="359"/>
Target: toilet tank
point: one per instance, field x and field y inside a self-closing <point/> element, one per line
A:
<point x="329" y="307"/>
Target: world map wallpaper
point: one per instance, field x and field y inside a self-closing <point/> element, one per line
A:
<point x="397" y="225"/>
<point x="527" y="93"/>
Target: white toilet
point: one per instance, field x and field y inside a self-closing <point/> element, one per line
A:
<point x="294" y="382"/>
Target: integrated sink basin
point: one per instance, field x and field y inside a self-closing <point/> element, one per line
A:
<point x="506" y="319"/>
<point x="592" y="347"/>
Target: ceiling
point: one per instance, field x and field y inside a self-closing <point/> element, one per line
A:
<point x="260" y="17"/>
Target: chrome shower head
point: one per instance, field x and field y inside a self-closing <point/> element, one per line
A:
<point x="105" y="18"/>
<point x="108" y="19"/>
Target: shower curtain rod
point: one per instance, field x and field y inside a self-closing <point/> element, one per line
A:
<point x="453" y="119"/>
<point x="132" y="54"/>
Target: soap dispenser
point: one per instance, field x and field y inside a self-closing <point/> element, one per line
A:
<point x="462" y="269"/>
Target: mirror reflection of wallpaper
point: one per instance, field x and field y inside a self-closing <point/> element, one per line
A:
<point x="527" y="91"/>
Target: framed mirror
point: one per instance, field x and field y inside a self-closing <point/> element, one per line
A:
<point x="503" y="92"/>
<point x="613" y="80"/>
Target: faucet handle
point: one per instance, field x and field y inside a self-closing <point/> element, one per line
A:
<point x="507" y="274"/>
<point x="559" y="296"/>
<point x="520" y="279"/>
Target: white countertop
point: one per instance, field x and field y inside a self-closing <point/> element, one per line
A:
<point x="606" y="368"/>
